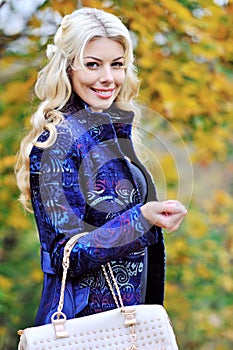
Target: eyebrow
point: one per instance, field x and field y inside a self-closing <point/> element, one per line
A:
<point x="98" y="59"/>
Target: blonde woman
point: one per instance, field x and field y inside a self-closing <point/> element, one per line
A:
<point x="79" y="170"/>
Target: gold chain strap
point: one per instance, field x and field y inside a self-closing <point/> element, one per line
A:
<point x="129" y="312"/>
<point x="119" y="302"/>
<point x="66" y="263"/>
<point x="59" y="318"/>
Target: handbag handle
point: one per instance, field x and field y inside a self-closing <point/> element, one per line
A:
<point x="65" y="264"/>
<point x="59" y="318"/>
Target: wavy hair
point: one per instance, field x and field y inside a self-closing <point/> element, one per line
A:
<point x="53" y="85"/>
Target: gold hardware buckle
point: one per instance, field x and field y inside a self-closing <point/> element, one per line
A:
<point x="59" y="325"/>
<point x="130" y="318"/>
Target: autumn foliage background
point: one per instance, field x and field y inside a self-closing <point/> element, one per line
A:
<point x="184" y="53"/>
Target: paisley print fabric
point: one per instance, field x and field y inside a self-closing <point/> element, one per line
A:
<point x="128" y="276"/>
<point x="84" y="182"/>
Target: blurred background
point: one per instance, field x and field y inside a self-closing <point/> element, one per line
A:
<point x="184" y="53"/>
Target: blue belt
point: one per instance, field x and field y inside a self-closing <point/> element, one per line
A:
<point x="46" y="262"/>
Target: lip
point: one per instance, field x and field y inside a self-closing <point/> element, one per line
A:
<point x="103" y="93"/>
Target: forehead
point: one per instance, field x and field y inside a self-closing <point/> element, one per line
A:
<point x="103" y="47"/>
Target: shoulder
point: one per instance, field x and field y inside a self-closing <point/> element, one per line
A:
<point x="57" y="140"/>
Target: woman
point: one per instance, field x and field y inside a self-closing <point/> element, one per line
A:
<point x="80" y="171"/>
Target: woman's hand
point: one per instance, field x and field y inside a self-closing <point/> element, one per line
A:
<point x="167" y="214"/>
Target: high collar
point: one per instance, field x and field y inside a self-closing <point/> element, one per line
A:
<point x="120" y="119"/>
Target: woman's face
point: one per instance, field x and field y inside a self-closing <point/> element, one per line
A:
<point x="100" y="83"/>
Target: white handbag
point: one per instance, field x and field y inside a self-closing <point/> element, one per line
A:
<point x="137" y="327"/>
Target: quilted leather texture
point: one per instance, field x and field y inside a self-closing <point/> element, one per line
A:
<point x="106" y="331"/>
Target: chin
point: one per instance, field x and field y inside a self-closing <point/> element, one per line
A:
<point x="101" y="106"/>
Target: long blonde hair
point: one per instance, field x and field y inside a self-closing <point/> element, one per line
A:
<point x="53" y="86"/>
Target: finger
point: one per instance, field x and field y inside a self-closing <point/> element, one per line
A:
<point x="174" y="222"/>
<point x="168" y="207"/>
<point x="173" y="206"/>
<point x="163" y="221"/>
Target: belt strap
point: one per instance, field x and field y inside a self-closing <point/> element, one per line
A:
<point x="46" y="263"/>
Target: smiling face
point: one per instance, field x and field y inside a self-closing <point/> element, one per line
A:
<point x="100" y="82"/>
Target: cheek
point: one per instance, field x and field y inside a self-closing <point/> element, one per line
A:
<point x="120" y="78"/>
<point x="82" y="79"/>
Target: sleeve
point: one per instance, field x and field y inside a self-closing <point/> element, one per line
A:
<point x="59" y="208"/>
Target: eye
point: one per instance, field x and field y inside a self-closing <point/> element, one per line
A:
<point x="92" y="65"/>
<point x="118" y="64"/>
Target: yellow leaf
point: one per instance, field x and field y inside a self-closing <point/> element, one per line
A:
<point x="227" y="283"/>
<point x="197" y="224"/>
<point x="5" y="282"/>
<point x="7" y="162"/>
<point x="17" y="91"/>
<point x="202" y="271"/>
<point x="179" y="10"/>
<point x="5" y="120"/>
<point x="36" y="275"/>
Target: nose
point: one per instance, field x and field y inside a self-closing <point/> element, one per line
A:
<point x="106" y="76"/>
